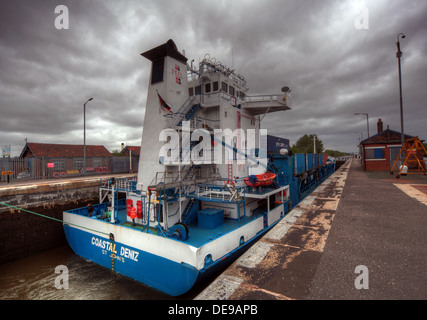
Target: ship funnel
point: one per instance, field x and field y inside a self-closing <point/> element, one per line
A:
<point x="167" y="92"/>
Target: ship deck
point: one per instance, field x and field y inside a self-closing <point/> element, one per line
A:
<point x="197" y="236"/>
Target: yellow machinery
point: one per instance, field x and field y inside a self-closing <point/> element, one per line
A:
<point x="410" y="149"/>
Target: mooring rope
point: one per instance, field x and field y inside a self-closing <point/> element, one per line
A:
<point x="52" y="218"/>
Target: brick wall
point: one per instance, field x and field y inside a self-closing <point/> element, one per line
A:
<point x="23" y="233"/>
<point x="377" y="164"/>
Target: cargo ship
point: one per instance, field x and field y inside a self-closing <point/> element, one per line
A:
<point x="200" y="197"/>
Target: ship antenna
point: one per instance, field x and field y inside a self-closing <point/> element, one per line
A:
<point x="232" y="59"/>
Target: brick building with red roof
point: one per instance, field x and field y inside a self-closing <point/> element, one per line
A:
<point x="51" y="150"/>
<point x="379" y="152"/>
<point x="60" y="160"/>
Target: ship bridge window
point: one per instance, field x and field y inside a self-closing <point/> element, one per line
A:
<point x="215" y="86"/>
<point x="231" y="90"/>
<point x="207" y="87"/>
<point x="198" y="89"/>
<point x="224" y="87"/>
<point x="190" y="91"/>
<point x="240" y="95"/>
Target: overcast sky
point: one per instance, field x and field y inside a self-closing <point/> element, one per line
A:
<point x="335" y="62"/>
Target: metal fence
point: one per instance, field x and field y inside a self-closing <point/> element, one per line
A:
<point x="21" y="169"/>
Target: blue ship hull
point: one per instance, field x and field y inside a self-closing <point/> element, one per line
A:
<point x="171" y="265"/>
<point x="157" y="272"/>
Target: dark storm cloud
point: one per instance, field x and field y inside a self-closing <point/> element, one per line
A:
<point x="333" y="68"/>
<point x="47" y="74"/>
<point x="356" y="71"/>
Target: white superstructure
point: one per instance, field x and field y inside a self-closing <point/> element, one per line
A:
<point x="189" y="103"/>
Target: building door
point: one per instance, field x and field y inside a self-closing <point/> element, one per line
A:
<point x="394" y="153"/>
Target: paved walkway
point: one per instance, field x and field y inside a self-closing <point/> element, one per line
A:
<point x="381" y="223"/>
<point x="369" y="221"/>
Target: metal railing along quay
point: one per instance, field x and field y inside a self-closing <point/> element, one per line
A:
<point x="33" y="168"/>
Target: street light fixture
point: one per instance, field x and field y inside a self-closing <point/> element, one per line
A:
<point x="314" y="143"/>
<point x="398" y="56"/>
<point x="84" y="135"/>
<point x="367" y="120"/>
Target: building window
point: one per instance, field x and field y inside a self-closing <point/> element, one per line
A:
<point x="190" y="91"/>
<point x="59" y="164"/>
<point x="97" y="162"/>
<point x="198" y="90"/>
<point x="215" y="86"/>
<point x="78" y="164"/>
<point x="207" y="87"/>
<point x="374" y="153"/>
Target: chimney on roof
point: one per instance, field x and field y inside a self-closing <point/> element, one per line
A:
<point x="123" y="146"/>
<point x="380" y="125"/>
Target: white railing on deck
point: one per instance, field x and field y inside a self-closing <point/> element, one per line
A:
<point x="269" y="98"/>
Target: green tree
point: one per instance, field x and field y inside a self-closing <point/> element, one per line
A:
<point x="305" y="144"/>
<point x="116" y="153"/>
<point x="336" y="153"/>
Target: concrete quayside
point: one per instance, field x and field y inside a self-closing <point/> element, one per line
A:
<point x="359" y="235"/>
